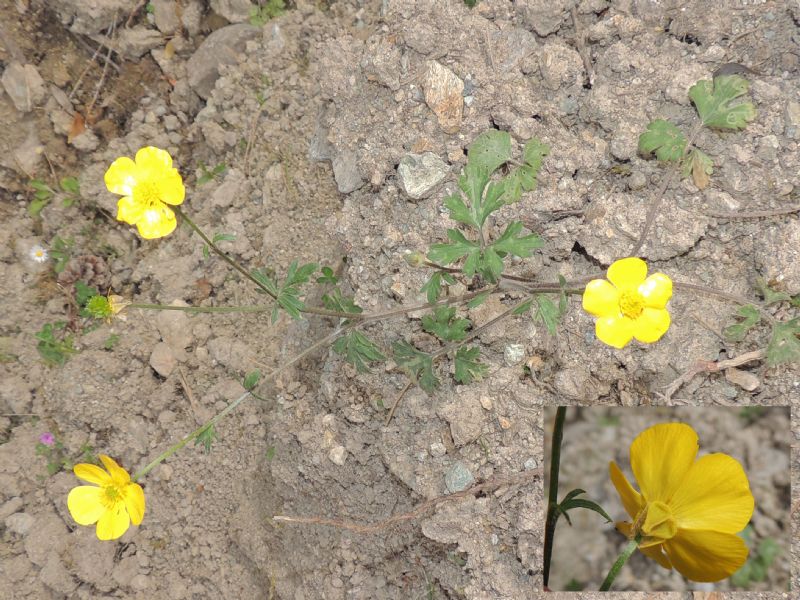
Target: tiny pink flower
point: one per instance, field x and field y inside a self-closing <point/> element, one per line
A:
<point x="48" y="439"/>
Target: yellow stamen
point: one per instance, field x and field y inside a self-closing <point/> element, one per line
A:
<point x="631" y="303"/>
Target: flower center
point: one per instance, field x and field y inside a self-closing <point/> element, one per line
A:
<point x="631" y="303"/>
<point x="112" y="495"/>
<point x="146" y="193"/>
<point x="656" y="524"/>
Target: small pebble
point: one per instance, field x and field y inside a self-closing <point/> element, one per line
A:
<point x="458" y="478"/>
<point x="338" y="455"/>
<point x="513" y="354"/>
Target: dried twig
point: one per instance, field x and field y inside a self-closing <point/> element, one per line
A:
<point x="134" y="12"/>
<point x="397" y="402"/>
<point x="488" y="485"/>
<point x="99" y="85"/>
<point x="711" y="366"/>
<point x="753" y="214"/>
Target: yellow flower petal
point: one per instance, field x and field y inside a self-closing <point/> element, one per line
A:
<point x="627" y="272"/>
<point x="614" y="330"/>
<point x="651" y="325"/>
<point x="152" y="161"/>
<point x="714" y="494"/>
<point x="156" y="222"/>
<point x="660" y="458"/>
<point x="600" y="298"/>
<point x="656" y="290"/>
<point x="85" y="504"/>
<point x="170" y="187"/>
<point x="129" y="211"/>
<point x="91" y="473"/>
<point x="118" y="474"/>
<point x="121" y="176"/>
<point x="113" y="523"/>
<point x="134" y="502"/>
<point x="631" y="499"/>
<point x="706" y="556"/>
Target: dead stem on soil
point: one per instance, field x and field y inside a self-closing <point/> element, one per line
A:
<point x="489" y="485"/>
<point x="397" y="402"/>
<point x="753" y="214"/>
<point x="711" y="366"/>
<point x="100" y="83"/>
<point x="580" y="42"/>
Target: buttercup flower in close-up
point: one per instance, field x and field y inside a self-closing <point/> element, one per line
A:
<point x="114" y="502"/>
<point x="688" y="509"/>
<point x="148" y="185"/>
<point x="630" y="304"/>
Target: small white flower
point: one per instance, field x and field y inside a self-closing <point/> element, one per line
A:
<point x="39" y="253"/>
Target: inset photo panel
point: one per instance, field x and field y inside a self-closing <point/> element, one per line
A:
<point x="667" y="499"/>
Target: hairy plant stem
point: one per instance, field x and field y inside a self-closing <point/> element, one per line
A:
<point x="629" y="549"/>
<point x="552" y="494"/>
<point x="225" y="411"/>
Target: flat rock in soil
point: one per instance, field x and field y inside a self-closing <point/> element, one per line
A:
<point x="236" y="11"/>
<point x="444" y="94"/>
<point x="137" y="41"/>
<point x="421" y="173"/>
<point x="24" y="86"/>
<point x="165" y="13"/>
<point x="544" y="16"/>
<point x="89" y="16"/>
<point x="220" y="48"/>
<point x="346" y="172"/>
<point x="162" y="359"/>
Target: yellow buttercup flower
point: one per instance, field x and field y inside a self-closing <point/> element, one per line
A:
<point x="630" y="304"/>
<point x="149" y="185"/>
<point x="113" y="505"/>
<point x="689" y="508"/>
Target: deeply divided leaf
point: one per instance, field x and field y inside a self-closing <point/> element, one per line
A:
<point x="513" y="243"/>
<point x="444" y="324"/>
<point x="419" y="365"/>
<point x="468" y="365"/>
<point x="459" y="246"/>
<point x="664" y="139"/>
<point x="335" y="301"/>
<point x="784" y="345"/>
<point x="714" y="102"/>
<point x="750" y="316"/>
<point x="358" y="350"/>
<point x="433" y="287"/>
<point x="490" y="150"/>
<point x="699" y="166"/>
<point x="548" y="313"/>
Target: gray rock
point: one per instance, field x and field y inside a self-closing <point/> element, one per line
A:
<point x="791" y="116"/>
<point x="444" y="94"/>
<point x="10" y="507"/>
<point x="55" y="576"/>
<point x="346" y="172"/>
<point x="338" y="455"/>
<point x="421" y="173"/>
<point x="458" y="478"/>
<point x="561" y="66"/>
<point x="509" y="47"/>
<point x="89" y="16"/>
<point x="220" y="48"/>
<point x="192" y="16"/>
<point x="513" y="354"/>
<point x="165" y="13"/>
<point x="47" y="534"/>
<point x="175" y="328"/>
<point x="544" y="16"/>
<point x="19" y="523"/>
<point x="233" y="186"/>
<point x="137" y="41"/>
<point x="236" y="11"/>
<point x="24" y="86"/>
<point x="465" y="416"/>
<point x="162" y="359"/>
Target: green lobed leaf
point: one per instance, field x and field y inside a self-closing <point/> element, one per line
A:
<point x="524" y="177"/>
<point x="548" y="313"/>
<point x="771" y="296"/>
<point x="444" y="324"/>
<point x="478" y="300"/>
<point x="335" y="301"/>
<point x="70" y="185"/>
<point x="297" y="275"/>
<point x="358" y="350"/>
<point x="699" y="166"/>
<point x="511" y="243"/>
<point x="327" y="276"/>
<point x="714" y="102"/>
<point x="472" y="182"/>
<point x="265" y="280"/>
<point x="784" y="346"/>
<point x="444" y="254"/>
<point x="433" y="287"/>
<point x="663" y="138"/>
<point x="750" y="317"/>
<point x="419" y="365"/>
<point x="490" y="150"/>
<point x="468" y="366"/>
<point x="459" y="211"/>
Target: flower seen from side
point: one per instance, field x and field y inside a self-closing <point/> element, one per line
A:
<point x="629" y="304"/>
<point x="688" y="509"/>
<point x="113" y="502"/>
<point x="149" y="185"/>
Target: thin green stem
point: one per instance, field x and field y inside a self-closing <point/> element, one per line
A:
<point x="552" y="495"/>
<point x="213" y="421"/>
<point x="629" y="549"/>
